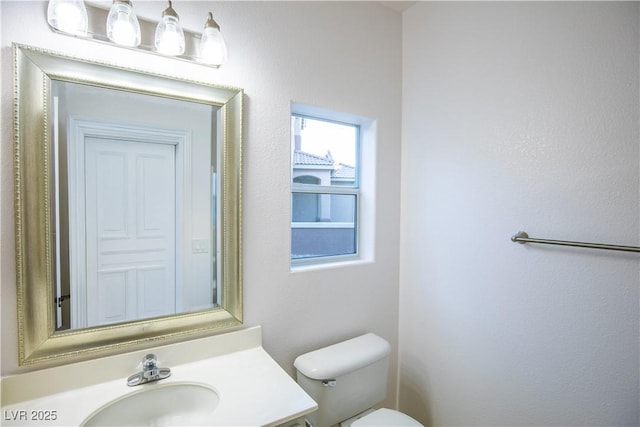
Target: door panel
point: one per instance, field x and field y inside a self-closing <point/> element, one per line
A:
<point x="130" y="229"/>
<point x="112" y="292"/>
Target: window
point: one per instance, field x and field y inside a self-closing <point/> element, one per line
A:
<point x="325" y="188"/>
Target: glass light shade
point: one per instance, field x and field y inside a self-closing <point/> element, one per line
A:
<point x="69" y="16"/>
<point x="213" y="49"/>
<point x="169" y="34"/>
<point x="122" y="24"/>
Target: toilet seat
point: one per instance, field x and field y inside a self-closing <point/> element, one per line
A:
<point x="386" y="418"/>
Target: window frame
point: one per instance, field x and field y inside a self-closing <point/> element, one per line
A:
<point x="348" y="190"/>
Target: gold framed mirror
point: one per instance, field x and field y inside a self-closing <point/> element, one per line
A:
<point x="77" y="292"/>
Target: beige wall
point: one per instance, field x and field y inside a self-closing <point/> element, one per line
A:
<point x="520" y="115"/>
<point x="342" y="56"/>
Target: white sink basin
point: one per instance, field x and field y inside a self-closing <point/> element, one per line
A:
<point x="157" y="404"/>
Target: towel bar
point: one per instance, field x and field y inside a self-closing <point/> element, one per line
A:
<point x="522" y="237"/>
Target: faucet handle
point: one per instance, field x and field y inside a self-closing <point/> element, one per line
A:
<point x="149" y="359"/>
<point x="149" y="368"/>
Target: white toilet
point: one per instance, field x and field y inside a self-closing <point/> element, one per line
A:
<point x="346" y="380"/>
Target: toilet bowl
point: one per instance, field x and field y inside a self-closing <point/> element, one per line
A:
<point x="381" y="418"/>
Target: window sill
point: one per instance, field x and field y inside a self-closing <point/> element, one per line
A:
<point x="327" y="263"/>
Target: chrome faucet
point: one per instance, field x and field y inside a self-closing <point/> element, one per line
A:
<point x="150" y="372"/>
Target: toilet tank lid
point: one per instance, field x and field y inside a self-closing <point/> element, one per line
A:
<point x="341" y="358"/>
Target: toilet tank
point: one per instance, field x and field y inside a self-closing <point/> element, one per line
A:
<point x="344" y="379"/>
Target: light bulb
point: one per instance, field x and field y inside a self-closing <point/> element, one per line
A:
<point x="69" y="16"/>
<point x="213" y="49"/>
<point x="169" y="34"/>
<point x="122" y="24"/>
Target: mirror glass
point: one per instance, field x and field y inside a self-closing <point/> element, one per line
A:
<point x="128" y="205"/>
<point x="135" y="194"/>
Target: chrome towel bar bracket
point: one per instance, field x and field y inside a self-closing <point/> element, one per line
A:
<point x="522" y="237"/>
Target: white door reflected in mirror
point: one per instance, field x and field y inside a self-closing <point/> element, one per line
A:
<point x="130" y="231"/>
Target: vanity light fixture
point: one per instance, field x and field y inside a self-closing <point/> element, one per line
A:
<point x="125" y="29"/>
<point x="122" y="24"/>
<point x="169" y="38"/>
<point x="69" y="16"/>
<point x="213" y="49"/>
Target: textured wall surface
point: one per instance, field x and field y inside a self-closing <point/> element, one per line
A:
<point x="520" y="116"/>
<point x="281" y="52"/>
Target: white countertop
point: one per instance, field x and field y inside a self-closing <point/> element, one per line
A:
<point x="254" y="391"/>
